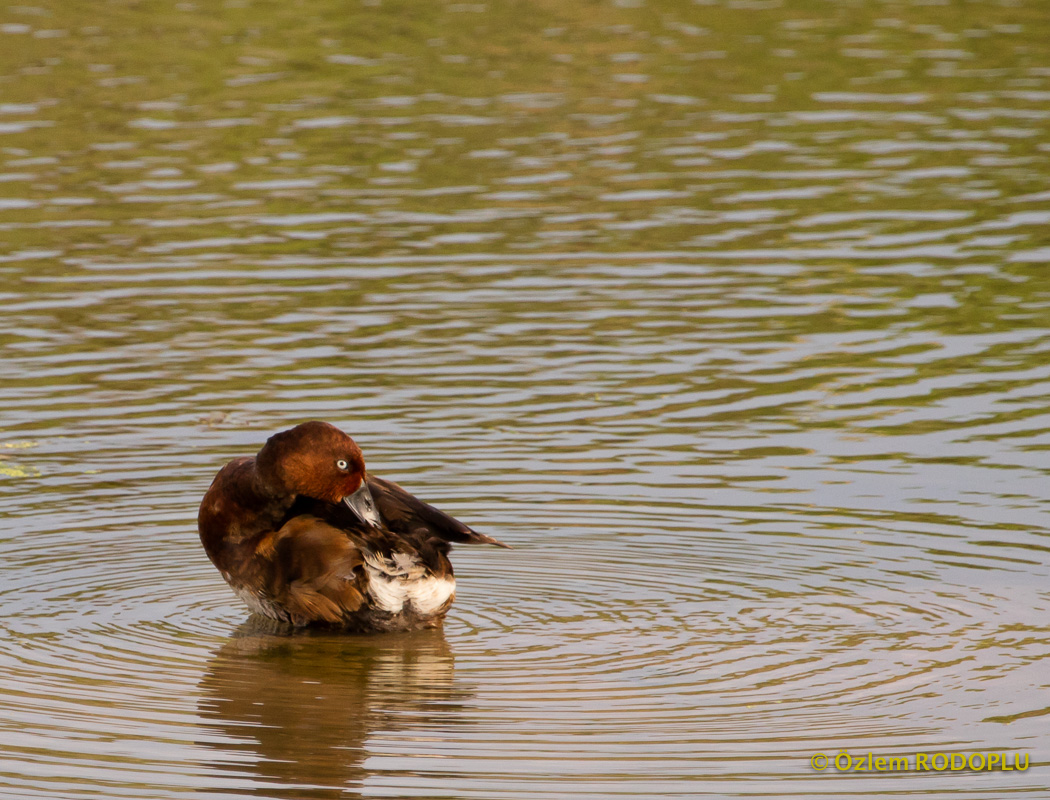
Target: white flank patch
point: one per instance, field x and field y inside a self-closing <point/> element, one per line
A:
<point x="430" y="594"/>
<point x="389" y="593"/>
<point x="394" y="582"/>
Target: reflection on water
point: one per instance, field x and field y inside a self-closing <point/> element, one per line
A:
<point x="730" y="315"/>
<point x="296" y="710"/>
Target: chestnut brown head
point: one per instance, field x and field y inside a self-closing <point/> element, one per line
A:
<point x="318" y="460"/>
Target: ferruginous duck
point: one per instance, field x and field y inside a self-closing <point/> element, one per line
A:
<point x="304" y="535"/>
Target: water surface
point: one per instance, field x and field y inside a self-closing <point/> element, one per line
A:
<point x="731" y="317"/>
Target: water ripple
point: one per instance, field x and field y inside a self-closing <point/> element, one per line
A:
<point x="737" y="334"/>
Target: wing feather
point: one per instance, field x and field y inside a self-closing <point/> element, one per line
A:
<point x="405" y="513"/>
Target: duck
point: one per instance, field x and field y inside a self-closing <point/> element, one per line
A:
<point x="304" y="535"/>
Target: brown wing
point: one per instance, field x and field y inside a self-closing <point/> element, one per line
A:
<point x="314" y="570"/>
<point x="404" y="513"/>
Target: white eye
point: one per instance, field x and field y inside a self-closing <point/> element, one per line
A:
<point x="341" y="464"/>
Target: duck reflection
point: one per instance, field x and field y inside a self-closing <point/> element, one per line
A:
<point x="296" y="707"/>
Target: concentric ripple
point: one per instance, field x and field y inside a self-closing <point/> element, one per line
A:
<point x="730" y="317"/>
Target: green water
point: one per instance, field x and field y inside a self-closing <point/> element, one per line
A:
<point x="730" y="316"/>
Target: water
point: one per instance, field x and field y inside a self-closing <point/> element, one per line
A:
<point x="731" y="317"/>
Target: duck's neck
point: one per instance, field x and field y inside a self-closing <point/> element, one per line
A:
<point x="239" y="508"/>
<point x="268" y="506"/>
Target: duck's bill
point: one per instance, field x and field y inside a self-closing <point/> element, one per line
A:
<point x="364" y="507"/>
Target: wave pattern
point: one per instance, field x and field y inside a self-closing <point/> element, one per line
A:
<point x="737" y="333"/>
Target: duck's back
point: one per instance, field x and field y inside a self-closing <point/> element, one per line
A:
<point x="374" y="578"/>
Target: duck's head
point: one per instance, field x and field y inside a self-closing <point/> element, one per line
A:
<point x="318" y="460"/>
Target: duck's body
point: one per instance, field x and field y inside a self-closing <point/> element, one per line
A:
<point x="303" y="535"/>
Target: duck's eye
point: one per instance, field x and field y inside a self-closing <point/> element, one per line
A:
<point x="341" y="464"/>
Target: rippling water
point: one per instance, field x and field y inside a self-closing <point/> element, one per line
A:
<point x="731" y="317"/>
